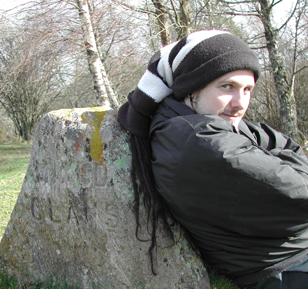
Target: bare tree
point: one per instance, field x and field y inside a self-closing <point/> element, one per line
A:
<point x="180" y="15"/>
<point x="37" y="58"/>
<point x="101" y="82"/>
<point x="169" y="15"/>
<point x="29" y="67"/>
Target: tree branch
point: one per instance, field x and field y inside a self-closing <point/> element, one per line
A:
<point x="290" y="17"/>
<point x="301" y="69"/>
<point x="130" y="7"/>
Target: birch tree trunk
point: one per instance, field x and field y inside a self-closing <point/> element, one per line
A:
<point x="285" y="92"/>
<point x="105" y="94"/>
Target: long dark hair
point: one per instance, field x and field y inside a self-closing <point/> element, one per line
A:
<point x="145" y="191"/>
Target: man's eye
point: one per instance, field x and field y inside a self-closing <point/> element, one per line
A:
<point x="226" y="86"/>
<point x="247" y="89"/>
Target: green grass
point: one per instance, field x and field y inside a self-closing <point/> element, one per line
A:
<point x="14" y="158"/>
<point x="11" y="283"/>
<point x="219" y="281"/>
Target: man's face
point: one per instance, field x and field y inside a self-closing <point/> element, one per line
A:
<point x="227" y="96"/>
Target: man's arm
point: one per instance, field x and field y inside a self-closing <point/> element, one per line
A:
<point x="273" y="140"/>
<point x="208" y="168"/>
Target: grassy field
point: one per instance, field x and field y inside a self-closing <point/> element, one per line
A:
<point x="14" y="158"/>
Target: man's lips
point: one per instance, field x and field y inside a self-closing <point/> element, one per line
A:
<point x="231" y="115"/>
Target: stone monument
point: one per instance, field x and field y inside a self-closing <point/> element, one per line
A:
<point x="73" y="219"/>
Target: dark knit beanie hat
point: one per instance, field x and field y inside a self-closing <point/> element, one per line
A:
<point x="182" y="68"/>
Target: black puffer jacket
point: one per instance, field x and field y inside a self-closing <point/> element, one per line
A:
<point x="242" y="196"/>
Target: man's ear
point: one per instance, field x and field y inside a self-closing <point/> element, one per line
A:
<point x="186" y="100"/>
<point x="190" y="101"/>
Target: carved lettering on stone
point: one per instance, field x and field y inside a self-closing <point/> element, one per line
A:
<point x="51" y="213"/>
<point x="36" y="209"/>
<point x="111" y="210"/>
<point x="101" y="175"/>
<point x="78" y="209"/>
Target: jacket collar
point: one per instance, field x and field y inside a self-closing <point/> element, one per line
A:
<point x="172" y="108"/>
<point x="244" y="129"/>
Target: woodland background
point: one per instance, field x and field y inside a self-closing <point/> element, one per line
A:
<point x="80" y="53"/>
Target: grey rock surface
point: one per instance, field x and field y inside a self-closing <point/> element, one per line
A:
<point x="73" y="218"/>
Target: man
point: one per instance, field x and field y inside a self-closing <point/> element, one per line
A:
<point x="240" y="189"/>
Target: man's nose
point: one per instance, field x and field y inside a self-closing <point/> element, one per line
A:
<point x="240" y="98"/>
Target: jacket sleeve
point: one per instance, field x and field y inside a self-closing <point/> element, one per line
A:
<point x="273" y="140"/>
<point x="221" y="177"/>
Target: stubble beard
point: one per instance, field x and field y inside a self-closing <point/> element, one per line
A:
<point x="233" y="112"/>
